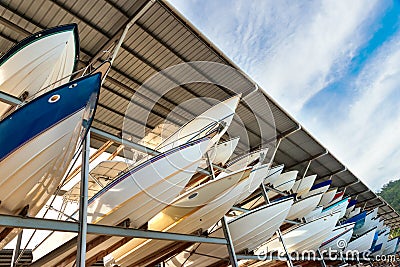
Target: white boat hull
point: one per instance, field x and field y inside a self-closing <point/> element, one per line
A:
<point x="248" y="230"/>
<point x="369" y="223"/>
<point x="220" y="114"/>
<point x="390" y="247"/>
<point x="119" y="202"/>
<point x="354" y="212"/>
<point x="257" y="175"/>
<point x="304" y="206"/>
<point x="302" y="187"/>
<point x="34" y="162"/>
<point x="339" y="238"/>
<point x="362" y="243"/>
<point x="42" y="62"/>
<point x="219" y="154"/>
<point x="337" y="207"/>
<point x="305" y="237"/>
<point x="315" y="214"/>
<point x="273" y="175"/>
<point x="322" y="189"/>
<point x="328" y="197"/>
<point x="136" y="251"/>
<point x="245" y="160"/>
<point x="285" y="183"/>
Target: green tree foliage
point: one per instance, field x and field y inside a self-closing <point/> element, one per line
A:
<point x="391" y="193"/>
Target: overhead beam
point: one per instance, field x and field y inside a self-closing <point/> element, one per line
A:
<point x="140" y="148"/>
<point x="309" y="159"/>
<point x="9" y="99"/>
<point x="376" y="205"/>
<point x="301" y="257"/>
<point x="350" y="184"/>
<point x="333" y="173"/>
<point x="112" y="40"/>
<point x="138" y="56"/>
<point x="394" y="218"/>
<point x="13" y="26"/>
<point x="359" y="193"/>
<point x="115" y="69"/>
<point x="386" y="213"/>
<point x="64" y="226"/>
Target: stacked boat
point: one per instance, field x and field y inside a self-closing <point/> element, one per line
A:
<point x="39" y="137"/>
<point x="197" y="178"/>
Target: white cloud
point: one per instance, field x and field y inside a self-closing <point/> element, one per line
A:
<point x="293" y="49"/>
<point x="367" y="138"/>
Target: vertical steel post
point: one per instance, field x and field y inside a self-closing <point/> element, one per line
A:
<point x="289" y="260"/>
<point x="231" y="249"/>
<point x="83" y="203"/>
<point x="15" y="256"/>
<point x="210" y="166"/>
<point x="273" y="154"/>
<point x="304" y="174"/>
<point x="322" y="261"/>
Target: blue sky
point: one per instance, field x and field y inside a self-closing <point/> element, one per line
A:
<point x="334" y="65"/>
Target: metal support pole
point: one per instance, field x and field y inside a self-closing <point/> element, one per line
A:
<point x="9" y="99"/>
<point x="83" y="203"/>
<point x="305" y="172"/>
<point x="210" y="166"/>
<point x="275" y="150"/>
<point x="322" y="261"/>
<point x="231" y="249"/>
<point x="279" y="233"/>
<point x="121" y="39"/>
<point x="15" y="257"/>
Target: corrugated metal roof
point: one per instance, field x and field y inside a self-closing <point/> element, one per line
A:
<point x="161" y="38"/>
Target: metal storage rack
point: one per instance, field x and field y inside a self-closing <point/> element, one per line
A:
<point x="160" y="37"/>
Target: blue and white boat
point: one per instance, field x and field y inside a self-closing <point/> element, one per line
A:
<point x="369" y="222"/>
<point x="362" y="243"/>
<point x="39" y="63"/>
<point x="339" y="237"/>
<point x="391" y="246"/>
<point x="336" y="207"/>
<point x="351" y="206"/>
<point x="38" y="141"/>
<point x="319" y="188"/>
<point x="358" y="219"/>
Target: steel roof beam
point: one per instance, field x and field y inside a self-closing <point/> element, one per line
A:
<point x="393" y="218"/>
<point x="134" y="18"/>
<point x="8" y="38"/>
<point x="310" y="159"/>
<point x="350" y="184"/>
<point x="64" y="226"/>
<point x="9" y="99"/>
<point x="13" y="26"/>
<point x="378" y="205"/>
<point x="386" y="213"/>
<point x="333" y="173"/>
<point x="136" y="54"/>
<point x="184" y="59"/>
<point x="113" y="68"/>
<point x="168" y="118"/>
<point x="358" y="193"/>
